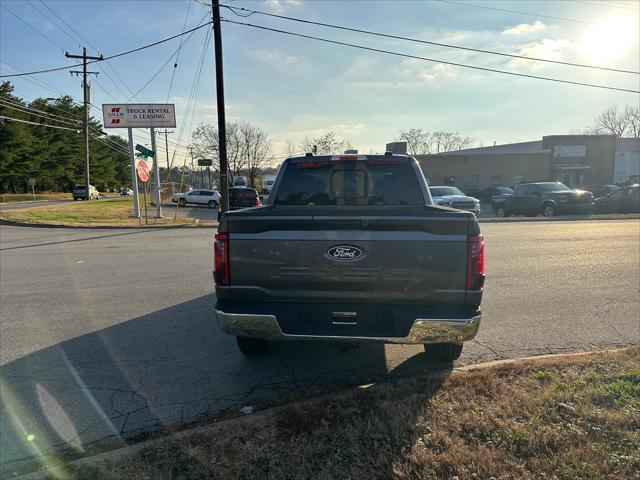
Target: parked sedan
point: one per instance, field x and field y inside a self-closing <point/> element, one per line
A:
<point x="624" y="200"/>
<point x="126" y="192"/>
<point x="453" y="197"/>
<point x="600" y="190"/>
<point x="198" y="197"/>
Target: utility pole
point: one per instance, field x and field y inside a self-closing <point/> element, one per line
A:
<point x="166" y="146"/>
<point x="222" y="123"/>
<point x="194" y="176"/>
<point x="85" y="119"/>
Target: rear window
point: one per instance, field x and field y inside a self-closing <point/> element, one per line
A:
<point x="243" y="194"/>
<point x="349" y="183"/>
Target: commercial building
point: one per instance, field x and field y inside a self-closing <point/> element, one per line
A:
<point x="575" y="160"/>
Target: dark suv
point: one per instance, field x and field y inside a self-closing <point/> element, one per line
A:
<point x="548" y="198"/>
<point x="241" y="197"/>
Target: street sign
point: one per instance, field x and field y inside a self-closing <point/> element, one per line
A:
<point x="32" y="181"/>
<point x="142" y="115"/>
<point x="205" y="162"/>
<point x="145" y="151"/>
<point x="142" y="168"/>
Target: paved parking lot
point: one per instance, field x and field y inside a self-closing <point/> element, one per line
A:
<point x="108" y="334"/>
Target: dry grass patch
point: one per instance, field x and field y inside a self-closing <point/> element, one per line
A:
<point x="28" y="197"/>
<point x="111" y="212"/>
<point x="575" y="418"/>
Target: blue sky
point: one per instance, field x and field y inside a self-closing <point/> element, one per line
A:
<point x="292" y="87"/>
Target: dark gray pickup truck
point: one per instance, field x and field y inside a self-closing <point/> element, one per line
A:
<point x="350" y="248"/>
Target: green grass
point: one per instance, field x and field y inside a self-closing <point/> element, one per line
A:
<point x="504" y="422"/>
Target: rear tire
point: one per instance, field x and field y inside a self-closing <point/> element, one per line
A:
<point x="213" y="204"/>
<point x="502" y="212"/>
<point x="252" y="347"/>
<point x="443" y="352"/>
<point x="548" y="210"/>
<point x="182" y="202"/>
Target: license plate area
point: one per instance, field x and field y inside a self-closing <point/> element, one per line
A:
<point x="332" y="320"/>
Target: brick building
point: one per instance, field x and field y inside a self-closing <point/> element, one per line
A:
<point x="576" y="160"/>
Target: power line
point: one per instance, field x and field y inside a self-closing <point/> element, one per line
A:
<point x="397" y="37"/>
<point x="176" y="52"/>
<point x="115" y="149"/>
<point x="416" y="57"/>
<point x="609" y="4"/>
<point x="193" y="94"/>
<point x="121" y="54"/>
<point x="158" y="42"/>
<point x="45" y="16"/>
<point x="84" y="40"/>
<point x="27" y="112"/>
<point x="11" y="119"/>
<point x="46" y="37"/>
<point x="175" y="63"/>
<point x="18" y="104"/>
<point x="504" y="10"/>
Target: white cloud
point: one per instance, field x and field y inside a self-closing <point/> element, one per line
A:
<point x="279" y="58"/>
<point x="279" y="6"/>
<point x="525" y="28"/>
<point x="546" y="49"/>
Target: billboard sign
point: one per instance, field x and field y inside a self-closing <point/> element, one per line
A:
<point x="570" y="151"/>
<point x="138" y="115"/>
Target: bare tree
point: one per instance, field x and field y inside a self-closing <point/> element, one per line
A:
<point x="417" y="141"/>
<point x="325" y="144"/>
<point x="633" y="116"/>
<point x="255" y="148"/>
<point x="612" y="121"/>
<point x="442" y="141"/>
<point x="421" y="142"/>
<point x="248" y="147"/>
<point x="290" y="149"/>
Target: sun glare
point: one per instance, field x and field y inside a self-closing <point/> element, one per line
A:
<point x="611" y="38"/>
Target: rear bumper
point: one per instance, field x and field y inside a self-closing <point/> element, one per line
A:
<point x="423" y="330"/>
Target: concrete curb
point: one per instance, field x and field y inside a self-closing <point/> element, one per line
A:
<point x="573" y="218"/>
<point x="105" y="227"/>
<point x="268" y="412"/>
<point x="215" y="224"/>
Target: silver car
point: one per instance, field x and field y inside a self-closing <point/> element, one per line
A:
<point x="453" y="197"/>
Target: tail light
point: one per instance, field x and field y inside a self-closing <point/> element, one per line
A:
<point x="221" y="263"/>
<point x="475" y="262"/>
<point x="257" y="201"/>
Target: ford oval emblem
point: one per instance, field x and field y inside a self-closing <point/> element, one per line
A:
<point x="344" y="252"/>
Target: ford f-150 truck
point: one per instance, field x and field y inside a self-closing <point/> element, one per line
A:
<point x="350" y="248"/>
<point x="548" y="198"/>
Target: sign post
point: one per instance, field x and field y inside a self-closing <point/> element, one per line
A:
<point x="32" y="183"/>
<point x="142" y="169"/>
<point x="134" y="177"/>
<point x="156" y="175"/>
<point x="140" y="115"/>
<point x="205" y="162"/>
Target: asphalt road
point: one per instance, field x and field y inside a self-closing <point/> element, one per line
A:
<point x="108" y="334"/>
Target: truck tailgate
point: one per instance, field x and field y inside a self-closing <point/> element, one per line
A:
<point x="416" y="257"/>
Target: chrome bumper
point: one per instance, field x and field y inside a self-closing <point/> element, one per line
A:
<point x="430" y="330"/>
